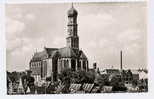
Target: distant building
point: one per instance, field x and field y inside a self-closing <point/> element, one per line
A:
<point x="110" y="71"/>
<point x="143" y="75"/>
<point x="127" y="76"/>
<point x="135" y="74"/>
<point x="51" y="61"/>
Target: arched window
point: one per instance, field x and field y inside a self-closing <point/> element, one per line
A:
<point x="79" y="65"/>
<point x="61" y="63"/>
<point x="67" y="63"/>
<point x="73" y="65"/>
<point x="84" y="65"/>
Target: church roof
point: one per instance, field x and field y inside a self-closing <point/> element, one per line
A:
<point x="62" y="52"/>
<point x="38" y="55"/>
<point x="82" y="55"/>
<point x="66" y="52"/>
<point x="51" y="51"/>
<point x="47" y="52"/>
<point x="72" y="12"/>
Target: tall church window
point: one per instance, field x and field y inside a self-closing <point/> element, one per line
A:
<point x="84" y="65"/>
<point x="67" y="63"/>
<point x="73" y="65"/>
<point x="79" y="66"/>
<point x="61" y="63"/>
<point x="64" y="64"/>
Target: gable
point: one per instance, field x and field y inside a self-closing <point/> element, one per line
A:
<point x="82" y="55"/>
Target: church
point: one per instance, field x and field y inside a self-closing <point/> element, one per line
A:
<point x="52" y="61"/>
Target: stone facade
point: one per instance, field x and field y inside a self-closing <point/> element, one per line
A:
<point x="51" y="61"/>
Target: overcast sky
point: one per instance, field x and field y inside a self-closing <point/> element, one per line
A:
<point x="104" y="29"/>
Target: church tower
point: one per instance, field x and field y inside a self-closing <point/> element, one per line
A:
<point x="72" y="38"/>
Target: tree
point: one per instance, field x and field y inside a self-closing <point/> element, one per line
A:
<point x="28" y="81"/>
<point x="101" y="80"/>
<point x="65" y="78"/>
<point x="81" y="77"/>
<point x="90" y="76"/>
<point x="117" y="84"/>
<point x="129" y="75"/>
<point x="14" y="76"/>
<point x="134" y="83"/>
<point x="24" y="82"/>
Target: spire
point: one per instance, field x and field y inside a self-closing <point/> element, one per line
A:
<point x="121" y="60"/>
<point x="72" y="5"/>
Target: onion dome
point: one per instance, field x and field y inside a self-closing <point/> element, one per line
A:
<point x="72" y="12"/>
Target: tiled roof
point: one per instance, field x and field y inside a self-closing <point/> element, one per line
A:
<point x="75" y="87"/>
<point x="66" y="52"/>
<point x="38" y="55"/>
<point x="88" y="87"/>
<point x="43" y="54"/>
<point x="110" y="71"/>
<point x="113" y="70"/>
<point x="51" y="51"/>
<point x="62" y="52"/>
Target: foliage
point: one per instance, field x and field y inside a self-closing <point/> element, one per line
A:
<point x="101" y="80"/>
<point x="65" y="78"/>
<point x="115" y="80"/>
<point x="28" y="81"/>
<point x="68" y="76"/>
<point x="119" y="88"/>
<point x="134" y="83"/>
<point x="117" y="84"/>
<point x="14" y="76"/>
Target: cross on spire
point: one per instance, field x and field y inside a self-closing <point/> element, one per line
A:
<point x="72" y="5"/>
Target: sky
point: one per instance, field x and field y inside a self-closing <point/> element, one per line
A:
<point x="104" y="29"/>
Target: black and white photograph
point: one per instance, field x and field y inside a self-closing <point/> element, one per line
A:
<point x="76" y="48"/>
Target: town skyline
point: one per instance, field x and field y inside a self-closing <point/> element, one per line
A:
<point x="28" y="29"/>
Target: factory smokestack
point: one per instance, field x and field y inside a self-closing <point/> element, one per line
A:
<point x="121" y="60"/>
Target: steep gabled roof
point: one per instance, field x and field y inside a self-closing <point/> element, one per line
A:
<point x="51" y="51"/>
<point x="46" y="53"/>
<point x="62" y="52"/>
<point x="39" y="55"/>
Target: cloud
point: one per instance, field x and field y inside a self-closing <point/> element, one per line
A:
<point x="13" y="27"/>
<point x="30" y="16"/>
<point x="95" y="22"/>
<point x="58" y="42"/>
<point x="103" y="31"/>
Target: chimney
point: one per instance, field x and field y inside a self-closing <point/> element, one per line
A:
<point x="121" y="60"/>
